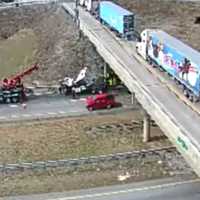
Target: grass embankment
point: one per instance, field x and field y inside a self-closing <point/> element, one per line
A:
<point x="75" y="137"/>
<point x="17" y="52"/>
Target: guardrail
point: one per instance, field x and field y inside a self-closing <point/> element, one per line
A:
<point x="71" y="163"/>
<point x="19" y="3"/>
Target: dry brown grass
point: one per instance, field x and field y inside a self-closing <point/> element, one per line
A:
<point x="73" y="137"/>
<point x="86" y="177"/>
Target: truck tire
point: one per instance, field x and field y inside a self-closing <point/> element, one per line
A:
<point x="7" y="100"/>
<point x="90" y="108"/>
<point x="191" y="97"/>
<point x="108" y="106"/>
<point x="186" y="93"/>
<point x="15" y="99"/>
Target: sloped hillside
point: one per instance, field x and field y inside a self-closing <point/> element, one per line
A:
<point x="53" y="43"/>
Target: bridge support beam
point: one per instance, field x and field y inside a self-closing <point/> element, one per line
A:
<point x="133" y="100"/>
<point x="146" y="127"/>
<point x="105" y="68"/>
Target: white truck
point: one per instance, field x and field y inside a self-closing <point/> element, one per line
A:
<point x="90" y="5"/>
<point x="179" y="60"/>
<point x="81" y="85"/>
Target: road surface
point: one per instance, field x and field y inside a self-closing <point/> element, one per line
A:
<point x="49" y="106"/>
<point x="42" y="107"/>
<point x="151" y="190"/>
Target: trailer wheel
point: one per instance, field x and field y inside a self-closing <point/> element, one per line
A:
<point x="7" y="100"/>
<point x="108" y="106"/>
<point x="186" y="93"/>
<point x="15" y="99"/>
<point x="149" y="61"/>
<point x="191" y="97"/>
<point x="90" y="108"/>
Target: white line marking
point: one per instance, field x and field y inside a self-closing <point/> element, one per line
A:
<point x="14" y="116"/>
<point x="74" y="111"/>
<point x="26" y="115"/>
<point x="154" y="187"/>
<point x="13" y="106"/>
<point x="39" y="114"/>
<point x="73" y="100"/>
<point x="49" y="92"/>
<point x="62" y="112"/>
<point x="37" y="93"/>
<point x="82" y="99"/>
<point x="52" y="113"/>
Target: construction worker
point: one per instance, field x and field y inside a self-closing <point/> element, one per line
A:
<point x="73" y="92"/>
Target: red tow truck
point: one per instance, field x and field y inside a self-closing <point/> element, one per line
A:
<point x="12" y="89"/>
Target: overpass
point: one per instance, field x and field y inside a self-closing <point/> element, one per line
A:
<point x="177" y="120"/>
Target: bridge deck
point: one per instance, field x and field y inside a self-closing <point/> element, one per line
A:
<point x="180" y="123"/>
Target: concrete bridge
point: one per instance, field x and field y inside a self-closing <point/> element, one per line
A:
<point x="178" y="121"/>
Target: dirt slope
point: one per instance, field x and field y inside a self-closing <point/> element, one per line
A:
<point x="59" y="50"/>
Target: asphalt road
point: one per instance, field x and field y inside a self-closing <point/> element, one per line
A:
<point x="49" y="106"/>
<point x="43" y="107"/>
<point x="151" y="190"/>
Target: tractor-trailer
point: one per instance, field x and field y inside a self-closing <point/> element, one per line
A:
<point x="116" y="17"/>
<point x="176" y="58"/>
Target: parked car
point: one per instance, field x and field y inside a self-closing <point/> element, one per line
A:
<point x="101" y="101"/>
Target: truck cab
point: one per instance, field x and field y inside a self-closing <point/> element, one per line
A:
<point x="90" y="5"/>
<point x="142" y="45"/>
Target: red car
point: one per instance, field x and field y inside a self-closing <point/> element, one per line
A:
<point x="100" y="101"/>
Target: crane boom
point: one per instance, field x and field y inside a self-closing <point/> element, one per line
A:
<point x="9" y="83"/>
<point x="26" y="72"/>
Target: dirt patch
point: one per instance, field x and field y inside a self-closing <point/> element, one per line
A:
<point x="17" y="51"/>
<point x="59" y="50"/>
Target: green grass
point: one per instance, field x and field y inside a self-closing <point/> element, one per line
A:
<point x="17" y="52"/>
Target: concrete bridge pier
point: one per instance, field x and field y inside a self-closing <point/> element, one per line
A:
<point x="146" y="127"/>
<point x="133" y="98"/>
<point x="105" y="68"/>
